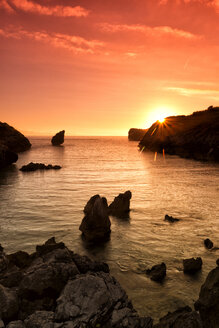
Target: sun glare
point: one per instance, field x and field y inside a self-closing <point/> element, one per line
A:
<point x="158" y="114"/>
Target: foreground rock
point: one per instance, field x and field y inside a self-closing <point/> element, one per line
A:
<point x="11" y="142"/>
<point x="57" y="288"/>
<point x="58" y="139"/>
<point x="181" y="318"/>
<point x="170" y="218"/>
<point x="38" y="166"/>
<point x="192" y="265"/>
<point x="157" y="272"/>
<point x="193" y="136"/>
<point x="136" y="134"/>
<point x="121" y="205"/>
<point x="208" y="243"/>
<point x="95" y="225"/>
<point x="208" y="302"/>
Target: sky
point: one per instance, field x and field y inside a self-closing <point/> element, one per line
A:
<point x="95" y="67"/>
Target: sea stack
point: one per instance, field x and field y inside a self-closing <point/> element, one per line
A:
<point x="58" y="139"/>
<point x="95" y="226"/>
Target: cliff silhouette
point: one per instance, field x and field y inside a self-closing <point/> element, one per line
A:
<point x="194" y="136"/>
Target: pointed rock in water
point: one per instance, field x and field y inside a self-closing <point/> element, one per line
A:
<point x="170" y="218"/>
<point x="208" y="302"/>
<point x="157" y="272"/>
<point x="95" y="226"/>
<point x="192" y="265"/>
<point x="58" y="139"/>
<point x="121" y="205"/>
<point x="208" y="243"/>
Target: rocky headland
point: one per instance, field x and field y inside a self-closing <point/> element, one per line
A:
<point x="194" y="136"/>
<point x="136" y="134"/>
<point x="57" y="288"/>
<point x="11" y="143"/>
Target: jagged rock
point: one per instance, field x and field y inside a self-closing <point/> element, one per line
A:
<point x="39" y="166"/>
<point x="170" y="218"/>
<point x="95" y="226"/>
<point x="121" y="205"/>
<point x="157" y="272"/>
<point x="84" y="264"/>
<point x="208" y="302"/>
<point x="208" y="243"/>
<point x="13" y="139"/>
<point x="58" y="139"/>
<point x="40" y="319"/>
<point x="192" y="265"/>
<point x="20" y="259"/>
<point x="181" y="318"/>
<point x="8" y="304"/>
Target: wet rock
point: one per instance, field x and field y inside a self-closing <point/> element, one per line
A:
<point x="16" y="324"/>
<point x="170" y="218"/>
<point x="8" y="304"/>
<point x="181" y="318"/>
<point x="40" y="319"/>
<point x="3" y="261"/>
<point x="12" y="139"/>
<point x="95" y="226"/>
<point x="208" y="243"/>
<point x="39" y="166"/>
<point x="20" y="259"/>
<point x="49" y="246"/>
<point x="84" y="264"/>
<point x="121" y="205"/>
<point x="157" y="272"/>
<point x="192" y="265"/>
<point x="58" y="139"/>
<point x="208" y="302"/>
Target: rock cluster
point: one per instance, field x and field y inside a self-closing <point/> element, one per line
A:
<point x="11" y="143"/>
<point x="39" y="166"/>
<point x="58" y="139"/>
<point x="54" y="288"/>
<point x="95" y="225"/>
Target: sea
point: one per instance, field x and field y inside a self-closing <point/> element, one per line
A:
<point x="35" y="206"/>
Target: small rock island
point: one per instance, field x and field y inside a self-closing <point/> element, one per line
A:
<point x="58" y="139"/>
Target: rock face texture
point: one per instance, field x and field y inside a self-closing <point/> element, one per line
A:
<point x="39" y="166"/>
<point x="194" y="136"/>
<point x="136" y="134"/>
<point x="208" y="302"/>
<point x="95" y="225"/>
<point x="58" y="139"/>
<point x="121" y="205"/>
<point x="54" y="288"/>
<point x="192" y="265"/>
<point x="11" y="142"/>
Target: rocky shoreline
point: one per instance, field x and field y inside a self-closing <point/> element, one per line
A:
<point x="56" y="288"/>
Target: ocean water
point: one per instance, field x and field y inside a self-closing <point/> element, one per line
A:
<point x="35" y="206"/>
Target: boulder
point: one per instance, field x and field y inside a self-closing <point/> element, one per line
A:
<point x="58" y="139"/>
<point x="3" y="261"/>
<point x="121" y="205"/>
<point x="208" y="302"/>
<point x="217" y="262"/>
<point x="40" y="319"/>
<point x="157" y="272"/>
<point x="8" y="304"/>
<point x="12" y="139"/>
<point x="7" y="157"/>
<point x="208" y="243"/>
<point x="192" y="265"/>
<point x="170" y="218"/>
<point x="95" y="225"/>
<point x="182" y="318"/>
<point x="16" y="324"/>
<point x="20" y="259"/>
<point x="39" y="166"/>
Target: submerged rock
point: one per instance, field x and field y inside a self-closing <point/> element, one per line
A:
<point x="170" y="218"/>
<point x="95" y="225"/>
<point x="208" y="302"/>
<point x="62" y="289"/>
<point x="39" y="166"/>
<point x="58" y="139"/>
<point x="121" y="205"/>
<point x="157" y="272"/>
<point x="208" y="243"/>
<point x="192" y="265"/>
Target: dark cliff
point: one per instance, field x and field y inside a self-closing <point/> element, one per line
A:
<point x="194" y="136"/>
<point x="136" y="134"/>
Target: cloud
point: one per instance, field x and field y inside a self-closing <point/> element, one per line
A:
<point x="158" y="31"/>
<point x="72" y="43"/>
<point x="206" y="93"/>
<point x="33" y="7"/>
<point x="209" y="3"/>
<point x="4" y="5"/>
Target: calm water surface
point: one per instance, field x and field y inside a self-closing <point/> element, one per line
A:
<point x="37" y="205"/>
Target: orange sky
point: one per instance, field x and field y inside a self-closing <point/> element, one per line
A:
<point x="95" y="67"/>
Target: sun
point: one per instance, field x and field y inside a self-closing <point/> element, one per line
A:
<point x="161" y="119"/>
<point x="158" y="114"/>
